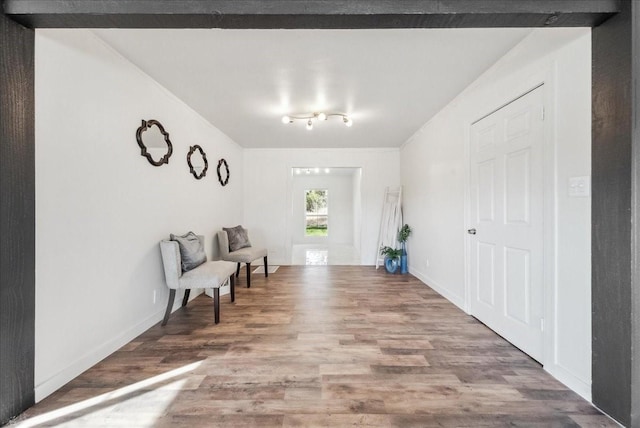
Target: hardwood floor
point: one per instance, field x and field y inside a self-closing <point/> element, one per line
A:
<point x="318" y="346"/>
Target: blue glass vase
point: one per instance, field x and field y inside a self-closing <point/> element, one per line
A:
<point x="404" y="268"/>
<point x="391" y="265"/>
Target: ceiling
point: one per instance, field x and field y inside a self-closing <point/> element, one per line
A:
<point x="390" y="82"/>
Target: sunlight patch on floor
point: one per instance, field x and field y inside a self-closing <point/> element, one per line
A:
<point x="317" y="254"/>
<point x="316" y="257"/>
<point x="147" y="400"/>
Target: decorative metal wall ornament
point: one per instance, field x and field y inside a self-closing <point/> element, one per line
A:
<point x="221" y="163"/>
<point x="193" y="169"/>
<point x="153" y="142"/>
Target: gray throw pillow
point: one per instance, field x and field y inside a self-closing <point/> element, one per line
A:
<point x="238" y="238"/>
<point x="192" y="252"/>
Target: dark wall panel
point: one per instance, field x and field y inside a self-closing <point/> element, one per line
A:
<point x="611" y="216"/>
<point x="17" y="218"/>
<point x="309" y="13"/>
<point x="635" y="278"/>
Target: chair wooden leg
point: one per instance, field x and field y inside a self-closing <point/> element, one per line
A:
<point x="216" y="304"/>
<point x="266" y="267"/>
<point x="248" y="275"/>
<point x="232" y="285"/>
<point x="172" y="296"/>
<point x="185" y="299"/>
<point x="238" y="270"/>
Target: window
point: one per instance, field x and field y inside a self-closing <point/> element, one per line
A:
<point x="317" y="213"/>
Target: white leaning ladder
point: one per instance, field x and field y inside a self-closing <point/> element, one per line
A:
<point x="391" y="221"/>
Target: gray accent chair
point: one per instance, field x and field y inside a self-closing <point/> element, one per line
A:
<point x="244" y="255"/>
<point x="211" y="274"/>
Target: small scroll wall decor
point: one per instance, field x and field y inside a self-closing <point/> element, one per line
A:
<point x="154" y="142"/>
<point x="197" y="161"/>
<point x="156" y="147"/>
<point x="225" y="180"/>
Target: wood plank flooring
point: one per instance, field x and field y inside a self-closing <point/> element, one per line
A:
<point x="318" y="346"/>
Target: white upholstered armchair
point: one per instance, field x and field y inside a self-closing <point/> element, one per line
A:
<point x="211" y="274"/>
<point x="243" y="255"/>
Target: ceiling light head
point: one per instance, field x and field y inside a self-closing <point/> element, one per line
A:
<point x="310" y="118"/>
<point x="327" y="170"/>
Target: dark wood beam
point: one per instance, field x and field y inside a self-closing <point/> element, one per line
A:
<point x="309" y="13"/>
<point x="635" y="216"/>
<point x="17" y="219"/>
<point x="615" y="153"/>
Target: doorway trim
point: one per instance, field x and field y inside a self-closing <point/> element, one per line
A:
<point x="617" y="25"/>
<point x="291" y="203"/>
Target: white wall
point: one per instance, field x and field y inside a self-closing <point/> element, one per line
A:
<point x="102" y="208"/>
<point x="357" y="209"/>
<point x="339" y="202"/>
<point x="435" y="170"/>
<point x="268" y="190"/>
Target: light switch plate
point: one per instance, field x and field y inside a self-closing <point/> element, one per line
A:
<point x="580" y="187"/>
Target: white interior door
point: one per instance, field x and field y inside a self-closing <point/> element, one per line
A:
<point x="506" y="209"/>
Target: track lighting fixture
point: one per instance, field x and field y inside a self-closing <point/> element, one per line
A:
<point x="312" y="117"/>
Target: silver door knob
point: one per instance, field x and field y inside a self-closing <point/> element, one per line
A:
<point x="471" y="231"/>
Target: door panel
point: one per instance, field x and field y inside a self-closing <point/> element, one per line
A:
<point x="517" y="197"/>
<point x="506" y="203"/>
<point x="486" y="204"/>
<point x="486" y="137"/>
<point x="517" y="285"/>
<point x="518" y="123"/>
<point x="486" y="272"/>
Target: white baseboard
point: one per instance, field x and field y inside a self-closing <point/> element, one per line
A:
<point x="91" y="358"/>
<point x="441" y="290"/>
<point x="574" y="383"/>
